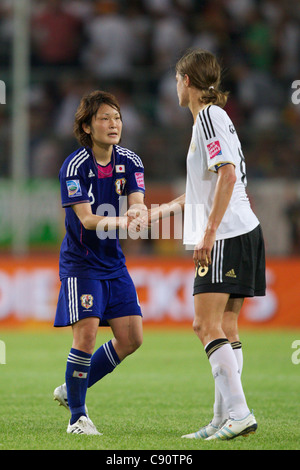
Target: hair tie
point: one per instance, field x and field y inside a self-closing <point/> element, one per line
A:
<point x="211" y="87"/>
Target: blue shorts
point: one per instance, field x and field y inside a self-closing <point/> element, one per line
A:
<point x="106" y="299"/>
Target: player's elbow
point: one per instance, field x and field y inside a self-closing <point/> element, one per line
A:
<point x="88" y="226"/>
<point x="231" y="179"/>
<point x="85" y="216"/>
<point x="88" y="223"/>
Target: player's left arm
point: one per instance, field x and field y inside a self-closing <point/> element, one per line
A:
<point x="214" y="127"/>
<point x="223" y="192"/>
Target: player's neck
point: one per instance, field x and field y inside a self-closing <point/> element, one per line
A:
<point x="102" y="154"/>
<point x="195" y="110"/>
<point x="195" y="104"/>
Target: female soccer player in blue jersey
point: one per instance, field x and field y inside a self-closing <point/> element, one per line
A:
<point x="96" y="288"/>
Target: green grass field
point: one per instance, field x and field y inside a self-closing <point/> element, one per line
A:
<point x="162" y="391"/>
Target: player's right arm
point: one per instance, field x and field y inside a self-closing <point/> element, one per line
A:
<point x="92" y="221"/>
<point x="167" y="209"/>
<point x="161" y="211"/>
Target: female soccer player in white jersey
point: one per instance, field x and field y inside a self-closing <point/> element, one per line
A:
<point x="225" y="235"/>
<point x="96" y="288"/>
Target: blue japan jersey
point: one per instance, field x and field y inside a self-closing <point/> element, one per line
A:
<point x="83" y="254"/>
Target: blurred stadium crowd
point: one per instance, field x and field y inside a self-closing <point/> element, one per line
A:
<point x="130" y="48"/>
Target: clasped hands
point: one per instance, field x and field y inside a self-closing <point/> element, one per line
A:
<point x="138" y="218"/>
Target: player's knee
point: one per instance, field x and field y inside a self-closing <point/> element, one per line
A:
<point x="86" y="347"/>
<point x="198" y="328"/>
<point x="129" y="346"/>
<point x="203" y="330"/>
<point x="135" y="344"/>
<point x="85" y="343"/>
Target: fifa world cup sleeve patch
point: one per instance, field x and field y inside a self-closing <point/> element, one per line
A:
<point x="74" y="188"/>
<point x="214" y="149"/>
<point x="139" y="178"/>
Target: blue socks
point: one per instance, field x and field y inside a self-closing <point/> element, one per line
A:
<point x="84" y="370"/>
<point x="104" y="361"/>
<point x="77" y="376"/>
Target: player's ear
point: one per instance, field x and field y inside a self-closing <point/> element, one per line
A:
<point x="186" y="80"/>
<point x="86" y="128"/>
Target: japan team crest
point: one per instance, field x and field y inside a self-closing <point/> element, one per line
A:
<point x="87" y="301"/>
<point x="120" y="185"/>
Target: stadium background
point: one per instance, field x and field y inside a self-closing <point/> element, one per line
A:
<point x="51" y="52"/>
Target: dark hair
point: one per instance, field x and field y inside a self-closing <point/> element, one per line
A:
<point x="204" y="73"/>
<point x="88" y="108"/>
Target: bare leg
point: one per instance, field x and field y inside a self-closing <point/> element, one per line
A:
<point x="128" y="334"/>
<point x="85" y="333"/>
<point x="230" y="319"/>
<point x="209" y="310"/>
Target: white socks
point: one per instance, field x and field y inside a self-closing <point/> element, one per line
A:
<point x="226" y="362"/>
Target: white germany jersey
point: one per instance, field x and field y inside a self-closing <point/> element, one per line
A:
<point x="215" y="142"/>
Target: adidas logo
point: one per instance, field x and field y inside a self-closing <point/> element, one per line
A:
<point x="230" y="273"/>
<point x="91" y="174"/>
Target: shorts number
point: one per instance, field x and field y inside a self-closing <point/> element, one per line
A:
<point x="201" y="271"/>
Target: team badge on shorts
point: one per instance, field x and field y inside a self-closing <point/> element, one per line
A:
<point x="87" y="301"/>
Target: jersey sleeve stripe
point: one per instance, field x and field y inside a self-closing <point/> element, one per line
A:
<point x="211" y="125"/>
<point x="131" y="155"/>
<point x="73" y="160"/>
<point x="80" y="163"/>
<point x="206" y="122"/>
<point x="136" y="160"/>
<point x="76" y="162"/>
<point x="204" y="130"/>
